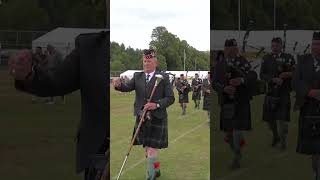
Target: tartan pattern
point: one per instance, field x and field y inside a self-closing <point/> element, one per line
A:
<point x="282" y="111"/>
<point x="206" y="97"/>
<point x="183" y="95"/>
<point x="196" y="93"/>
<point x="153" y="133"/>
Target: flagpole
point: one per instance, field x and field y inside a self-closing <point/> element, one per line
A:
<point x="274" y="15"/>
<point x="239" y="19"/>
<point x="184" y="60"/>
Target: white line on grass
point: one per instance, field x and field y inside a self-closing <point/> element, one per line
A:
<point x="119" y="142"/>
<point x="172" y="142"/>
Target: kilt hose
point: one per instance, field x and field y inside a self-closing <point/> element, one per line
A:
<point x="153" y="135"/>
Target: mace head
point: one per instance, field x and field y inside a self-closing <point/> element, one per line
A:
<point x="159" y="77"/>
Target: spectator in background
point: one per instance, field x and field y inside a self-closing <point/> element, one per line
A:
<point x="54" y="58"/>
<point x="39" y="59"/>
<point x="39" y="56"/>
<point x="126" y="79"/>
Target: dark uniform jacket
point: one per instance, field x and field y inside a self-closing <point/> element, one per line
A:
<point x="307" y="77"/>
<point x="239" y="105"/>
<point x="183" y="93"/>
<point x="277" y="100"/>
<point x="85" y="69"/>
<point x="196" y="88"/>
<point x="272" y="66"/>
<point x="206" y="96"/>
<point x="154" y="132"/>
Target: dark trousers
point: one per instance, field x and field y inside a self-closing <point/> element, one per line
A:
<point x="279" y="130"/>
<point x="316" y="166"/>
<point x="235" y="138"/>
<point x="99" y="165"/>
<point x="92" y="174"/>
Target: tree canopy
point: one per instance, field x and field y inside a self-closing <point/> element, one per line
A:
<point x="296" y="14"/>
<point x="170" y="53"/>
<point x="48" y="14"/>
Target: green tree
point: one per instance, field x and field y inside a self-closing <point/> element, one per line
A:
<point x="117" y="66"/>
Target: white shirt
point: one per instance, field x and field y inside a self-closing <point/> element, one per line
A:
<point x="151" y="75"/>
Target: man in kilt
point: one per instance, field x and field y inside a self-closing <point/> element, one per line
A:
<point x="306" y="84"/>
<point x="206" y="91"/>
<point x="276" y="70"/>
<point x="196" y="91"/>
<point x="183" y="88"/>
<point x="153" y="134"/>
<point x="234" y="82"/>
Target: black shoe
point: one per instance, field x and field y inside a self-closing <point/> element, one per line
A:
<point x="158" y="174"/>
<point x="275" y="141"/>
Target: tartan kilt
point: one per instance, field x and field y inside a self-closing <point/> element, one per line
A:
<point x="280" y="112"/>
<point x="206" y="102"/>
<point x="153" y="133"/>
<point x="241" y="119"/>
<point x="308" y="144"/>
<point x="196" y="95"/>
<point x="184" y="98"/>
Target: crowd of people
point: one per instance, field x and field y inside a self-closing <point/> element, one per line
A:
<point x="199" y="88"/>
<point x="47" y="59"/>
<point x="235" y="82"/>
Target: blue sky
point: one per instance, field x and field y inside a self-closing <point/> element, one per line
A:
<point x="132" y="21"/>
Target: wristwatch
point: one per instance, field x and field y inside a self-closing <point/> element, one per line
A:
<point x="158" y="105"/>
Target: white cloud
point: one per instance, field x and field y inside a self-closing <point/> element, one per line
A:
<point x="132" y="21"/>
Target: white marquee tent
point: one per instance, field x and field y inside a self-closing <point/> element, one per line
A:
<point x="63" y="39"/>
<point x="190" y="74"/>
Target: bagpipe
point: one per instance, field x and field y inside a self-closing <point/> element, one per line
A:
<point x="233" y="71"/>
<point x="260" y="85"/>
<point x="185" y="86"/>
<point x="198" y="85"/>
<point x="173" y="79"/>
<point x="282" y="66"/>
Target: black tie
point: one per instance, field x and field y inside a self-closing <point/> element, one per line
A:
<point x="148" y="78"/>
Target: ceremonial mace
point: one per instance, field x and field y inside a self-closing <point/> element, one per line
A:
<point x="159" y="78"/>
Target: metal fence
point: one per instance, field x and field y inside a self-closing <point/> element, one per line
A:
<point x="13" y="39"/>
<point x="115" y="73"/>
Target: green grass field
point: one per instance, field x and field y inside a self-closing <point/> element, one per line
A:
<point x="36" y="140"/>
<point x="188" y="154"/>
<point x="260" y="161"/>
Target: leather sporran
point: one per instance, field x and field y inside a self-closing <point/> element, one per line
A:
<point x="272" y="103"/>
<point x="311" y="120"/>
<point x="311" y="126"/>
<point x="181" y="97"/>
